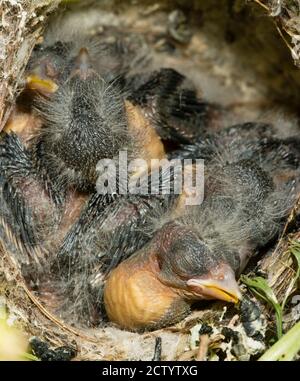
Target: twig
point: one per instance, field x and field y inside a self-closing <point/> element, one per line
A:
<point x="262" y="5"/>
<point x="233" y="321"/>
<point x="188" y="355"/>
<point x="37" y="303"/>
<point x="54" y="319"/>
<point x="157" y="349"/>
<point x="203" y="348"/>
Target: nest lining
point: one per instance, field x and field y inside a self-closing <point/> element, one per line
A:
<point x="238" y="60"/>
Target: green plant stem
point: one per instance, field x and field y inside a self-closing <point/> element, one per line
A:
<point x="295" y="250"/>
<point x="29" y="356"/>
<point x="286" y="348"/>
<point x="261" y="288"/>
<point x="279" y="325"/>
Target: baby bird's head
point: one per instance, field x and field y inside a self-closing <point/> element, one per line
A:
<point x="85" y="120"/>
<point x="156" y="286"/>
<point x="186" y="262"/>
<point x="46" y="68"/>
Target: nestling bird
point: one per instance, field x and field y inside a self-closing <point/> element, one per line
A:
<point x="250" y="185"/>
<point x="168" y="98"/>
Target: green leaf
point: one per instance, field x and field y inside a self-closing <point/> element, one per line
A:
<point x="288" y="345"/>
<point x="294" y="249"/>
<point x="261" y="288"/>
<point x="29" y="356"/>
<point x="286" y="348"/>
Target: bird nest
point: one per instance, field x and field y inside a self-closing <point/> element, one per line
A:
<point x="240" y="54"/>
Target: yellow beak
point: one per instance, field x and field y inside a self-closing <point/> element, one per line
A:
<point x="224" y="288"/>
<point x="44" y="86"/>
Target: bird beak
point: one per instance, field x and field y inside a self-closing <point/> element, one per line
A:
<point x="83" y="67"/>
<point x="221" y="285"/>
<point x="44" y="86"/>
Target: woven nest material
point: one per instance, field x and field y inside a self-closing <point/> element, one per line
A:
<point x="240" y="53"/>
